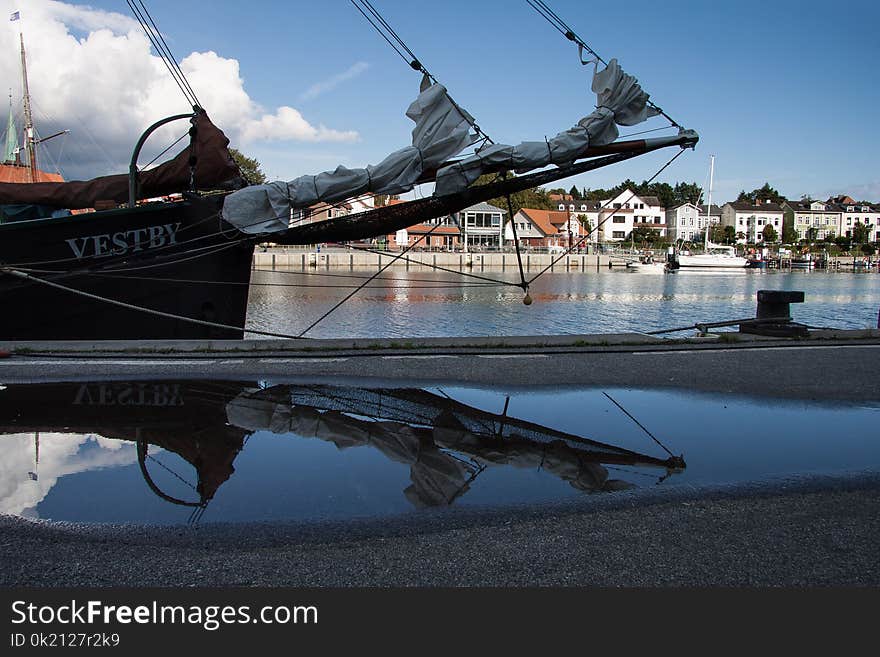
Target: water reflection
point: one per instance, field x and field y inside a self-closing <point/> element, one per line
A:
<point x="184" y="437"/>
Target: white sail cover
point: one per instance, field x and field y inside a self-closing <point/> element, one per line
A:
<point x="620" y="101"/>
<point x="442" y="130"/>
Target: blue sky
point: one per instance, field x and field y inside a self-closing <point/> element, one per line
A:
<point x="779" y="91"/>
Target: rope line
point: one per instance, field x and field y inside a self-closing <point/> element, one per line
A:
<point x="639" y="424"/>
<point x="364" y="284"/>
<point x="553" y="18"/>
<point x="601" y="223"/>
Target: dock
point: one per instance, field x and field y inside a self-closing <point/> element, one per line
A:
<point x="726" y="363"/>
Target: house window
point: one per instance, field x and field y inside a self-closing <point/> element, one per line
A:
<point x="618" y="234"/>
<point x="618" y="219"/>
<point x="561" y="207"/>
<point x="616" y="206"/>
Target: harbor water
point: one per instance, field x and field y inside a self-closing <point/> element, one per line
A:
<point x="427" y="303"/>
<point x="253" y="451"/>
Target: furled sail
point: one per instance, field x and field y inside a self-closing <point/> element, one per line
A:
<point x="620" y="101"/>
<point x="442" y="131"/>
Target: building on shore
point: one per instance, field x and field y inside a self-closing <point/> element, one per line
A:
<point x="545" y="228"/>
<point x="813" y="220"/>
<point x="689" y="222"/>
<point x="750" y="219"/>
<point x="616" y="218"/>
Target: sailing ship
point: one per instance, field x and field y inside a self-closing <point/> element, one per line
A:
<point x="167" y="252"/>
<point x="446" y="443"/>
<point x="714" y="256"/>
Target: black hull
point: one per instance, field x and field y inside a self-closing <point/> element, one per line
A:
<point x="176" y="258"/>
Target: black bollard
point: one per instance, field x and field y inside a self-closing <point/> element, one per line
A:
<point x="775" y="304"/>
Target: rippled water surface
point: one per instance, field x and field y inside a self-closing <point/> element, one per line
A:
<point x="426" y="303"/>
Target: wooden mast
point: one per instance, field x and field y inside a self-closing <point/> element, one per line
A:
<point x="29" y="138"/>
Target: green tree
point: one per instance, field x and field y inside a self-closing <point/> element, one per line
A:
<point x="729" y="235"/>
<point x="868" y="249"/>
<point x="249" y="167"/>
<point x="860" y="233"/>
<point x="769" y="233"/>
<point x="687" y="193"/>
<point x="536" y="197"/>
<point x="763" y="193"/>
<point x="789" y="234"/>
<point x="844" y="242"/>
<point x="644" y="234"/>
<point x="717" y="233"/>
<point x="585" y="224"/>
<point x="575" y="193"/>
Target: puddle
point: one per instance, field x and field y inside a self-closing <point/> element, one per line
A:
<point x="170" y="452"/>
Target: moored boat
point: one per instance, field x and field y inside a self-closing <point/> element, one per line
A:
<point x="167" y="252"/>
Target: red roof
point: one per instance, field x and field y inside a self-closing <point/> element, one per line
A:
<point x="9" y="173"/>
<point x="546" y="220"/>
<point x="437" y="230"/>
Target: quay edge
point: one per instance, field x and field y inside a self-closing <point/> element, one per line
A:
<point x="826" y="366"/>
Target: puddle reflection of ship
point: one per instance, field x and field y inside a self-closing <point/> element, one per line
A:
<point x="446" y="444"/>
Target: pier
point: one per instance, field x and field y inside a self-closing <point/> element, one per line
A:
<point x="337" y="258"/>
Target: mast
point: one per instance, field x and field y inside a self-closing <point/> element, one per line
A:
<point x="709" y="206"/>
<point x="29" y="140"/>
<point x="11" y="138"/>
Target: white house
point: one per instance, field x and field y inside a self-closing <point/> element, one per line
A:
<point x="619" y="216"/>
<point x="750" y="219"/>
<point x="867" y="214"/>
<point x="688" y="222"/>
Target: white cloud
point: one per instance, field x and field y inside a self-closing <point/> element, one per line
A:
<point x="330" y="84"/>
<point x="92" y="72"/>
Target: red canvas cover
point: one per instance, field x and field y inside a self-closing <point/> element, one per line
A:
<point x="214" y="166"/>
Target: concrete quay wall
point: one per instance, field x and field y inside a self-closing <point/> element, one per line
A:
<point x="305" y="260"/>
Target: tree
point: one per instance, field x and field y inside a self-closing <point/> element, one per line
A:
<point x="860" y="233"/>
<point x="717" y="233"/>
<point x="249" y="167"/>
<point x="763" y="193"/>
<point x="729" y="235"/>
<point x="769" y="233"/>
<point x="687" y="193"/>
<point x="575" y="193"/>
<point x="789" y="234"/>
<point x="868" y="249"/>
<point x="844" y="242"/>
<point x="585" y="224"/>
<point x="536" y="197"/>
<point x="644" y="234"/>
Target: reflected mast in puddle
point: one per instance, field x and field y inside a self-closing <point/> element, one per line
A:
<point x="447" y="444"/>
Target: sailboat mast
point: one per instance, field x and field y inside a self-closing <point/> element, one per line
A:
<point x="29" y="138"/>
<point x="709" y="206"/>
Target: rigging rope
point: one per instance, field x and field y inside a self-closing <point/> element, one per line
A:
<point x="639" y="424"/>
<point x="553" y="18"/>
<point x="600" y="223"/>
<point x="387" y="32"/>
<point x="158" y="41"/>
<point x="364" y="284"/>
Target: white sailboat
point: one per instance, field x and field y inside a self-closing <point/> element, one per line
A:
<point x="715" y="256"/>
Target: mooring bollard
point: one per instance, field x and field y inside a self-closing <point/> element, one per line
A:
<point x="775" y="305"/>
